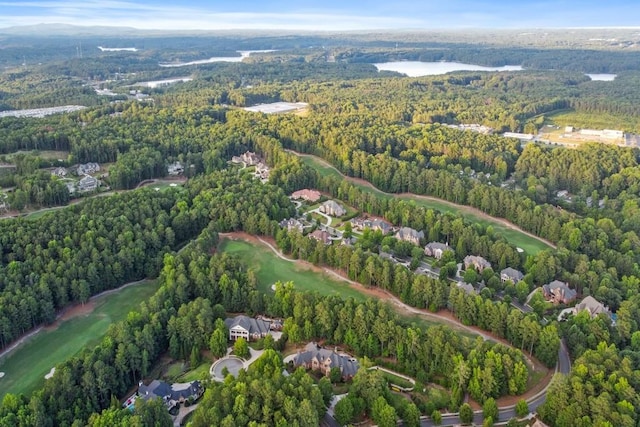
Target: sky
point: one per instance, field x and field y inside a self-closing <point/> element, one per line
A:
<point x="325" y="15"/>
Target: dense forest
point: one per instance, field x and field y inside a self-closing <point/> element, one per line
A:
<point x="399" y="144"/>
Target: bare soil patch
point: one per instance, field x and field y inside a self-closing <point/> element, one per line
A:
<point x="71" y="312"/>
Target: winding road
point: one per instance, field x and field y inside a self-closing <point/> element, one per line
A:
<point x="475" y="211"/>
<point x="448" y="419"/>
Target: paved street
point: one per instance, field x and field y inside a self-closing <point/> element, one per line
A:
<point x="506" y="413"/>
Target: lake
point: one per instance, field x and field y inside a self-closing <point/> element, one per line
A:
<point x="418" y="68"/>
<point x="243" y="54"/>
<point x="602" y="77"/>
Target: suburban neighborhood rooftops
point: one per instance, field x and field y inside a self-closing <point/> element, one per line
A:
<point x="322" y="236"/>
<point x="326" y="359"/>
<point x="248" y="323"/>
<point x="306" y="194"/>
<point x="593" y="306"/>
<point x="170" y="393"/>
<point x="438" y="245"/>
<point x="511" y="274"/>
<point x="409" y="235"/>
<point x="559" y="291"/>
<point x="476" y="261"/>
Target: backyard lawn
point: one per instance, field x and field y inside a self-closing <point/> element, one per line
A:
<point x="26" y="366"/>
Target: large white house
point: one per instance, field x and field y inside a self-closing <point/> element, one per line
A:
<point x="175" y="168"/>
<point x="87" y="168"/>
<point x="247" y="327"/>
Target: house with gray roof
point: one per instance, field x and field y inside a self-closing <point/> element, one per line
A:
<point x="321" y="236"/>
<point x="171" y="394"/>
<point x="436" y="249"/>
<point x="175" y="168"/>
<point x="409" y="235"/>
<point x="291" y="224"/>
<point x="320" y="359"/>
<point x="467" y="287"/>
<point x="476" y="262"/>
<point x="593" y="306"/>
<point x="59" y="172"/>
<point x="511" y="274"/>
<point x="247" y="327"/>
<point x="87" y="168"/>
<point x="558" y="292"/>
<point x="87" y="183"/>
<point x="332" y="208"/>
<point x="374" y="224"/>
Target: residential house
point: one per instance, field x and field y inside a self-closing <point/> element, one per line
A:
<point x="409" y="235"/>
<point x="247" y="327"/>
<point x="330" y="207"/>
<point x="436" y="249"/>
<point x="373" y="224"/>
<point x="250" y="158"/>
<point x="306" y="194"/>
<point x="348" y="241"/>
<point x="319" y="359"/>
<point x="175" y="168"/>
<point x="321" y="236"/>
<point x="476" y="262"/>
<point x="592" y="305"/>
<point x="71" y="186"/>
<point x="262" y="171"/>
<point x="387" y="256"/>
<point x="87" y="168"/>
<point x="511" y="274"/>
<point x="467" y="287"/>
<point x="59" y="172"/>
<point x="291" y="224"/>
<point x="171" y="394"/>
<point x="87" y="183"/>
<point x="558" y="292"/>
<point x="564" y="195"/>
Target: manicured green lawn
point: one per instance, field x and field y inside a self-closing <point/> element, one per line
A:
<point x="199" y="373"/>
<point x="26" y="366"/>
<point x="37" y="214"/>
<point x="530" y="245"/>
<point x="165" y="185"/>
<point x="270" y="269"/>
<point x="322" y="169"/>
<point x="45" y="154"/>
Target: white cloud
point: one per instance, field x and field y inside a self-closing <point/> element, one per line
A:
<point x="119" y="13"/>
<point x="402" y="14"/>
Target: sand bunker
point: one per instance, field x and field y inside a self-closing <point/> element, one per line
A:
<point x="50" y="374"/>
<point x="1" y="374"/>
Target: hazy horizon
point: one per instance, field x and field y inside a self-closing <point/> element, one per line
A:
<point x="332" y="15"/>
